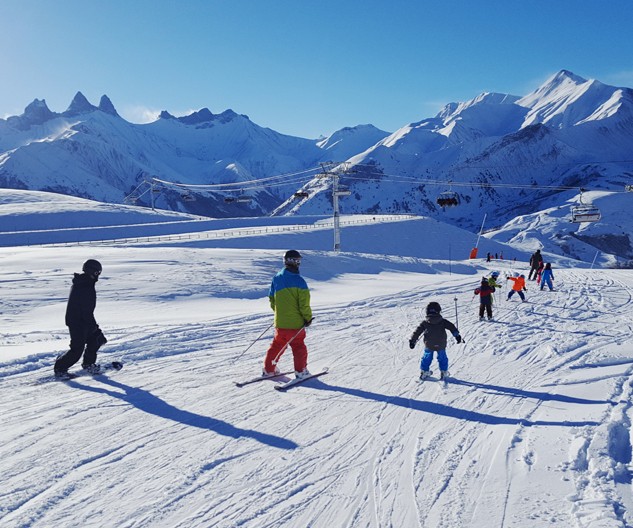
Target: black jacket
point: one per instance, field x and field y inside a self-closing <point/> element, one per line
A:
<point x="82" y="302"/>
<point x="433" y="330"/>
<point x="536" y="259"/>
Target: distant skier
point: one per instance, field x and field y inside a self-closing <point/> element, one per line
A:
<point x="547" y="277"/>
<point x="85" y="335"/>
<point x="493" y="280"/>
<point x="290" y="300"/>
<point x="535" y="260"/>
<point x="517" y="287"/>
<point x="539" y="272"/>
<point x="485" y="292"/>
<point x="433" y="330"/>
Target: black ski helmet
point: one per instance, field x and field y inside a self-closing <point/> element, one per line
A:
<point x="433" y="308"/>
<point x="92" y="267"/>
<point x="292" y="257"/>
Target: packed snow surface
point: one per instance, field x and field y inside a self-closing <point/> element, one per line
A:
<point x="532" y="429"/>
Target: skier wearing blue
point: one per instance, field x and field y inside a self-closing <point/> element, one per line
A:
<point x="433" y="329"/>
<point x="547" y="277"/>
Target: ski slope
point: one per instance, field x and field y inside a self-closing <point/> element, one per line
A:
<point x="533" y="428"/>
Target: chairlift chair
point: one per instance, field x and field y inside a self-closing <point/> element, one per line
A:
<point x="585" y="213"/>
<point x="301" y="194"/>
<point x="448" y="199"/>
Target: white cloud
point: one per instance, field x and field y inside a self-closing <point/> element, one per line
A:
<point x="139" y="114"/>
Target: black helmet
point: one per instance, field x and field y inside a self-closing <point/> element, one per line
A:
<point x="292" y="258"/>
<point x="92" y="267"/>
<point x="433" y="308"/>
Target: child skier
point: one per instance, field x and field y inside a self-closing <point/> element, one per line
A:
<point x="485" y="292"/>
<point x="539" y="272"/>
<point x="517" y="287"/>
<point x="433" y="330"/>
<point x="547" y="277"/>
<point x="492" y="281"/>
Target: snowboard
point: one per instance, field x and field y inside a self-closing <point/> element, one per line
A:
<point x="105" y="367"/>
<point x="292" y="383"/>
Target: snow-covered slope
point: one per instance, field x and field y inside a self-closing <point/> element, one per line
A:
<point x="532" y="430"/>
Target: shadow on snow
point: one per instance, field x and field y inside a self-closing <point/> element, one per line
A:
<point x="145" y="401"/>
<point x="463" y="414"/>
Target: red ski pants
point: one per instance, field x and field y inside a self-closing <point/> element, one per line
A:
<point x="299" y="349"/>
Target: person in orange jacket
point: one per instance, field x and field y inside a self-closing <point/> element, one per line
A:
<point x="517" y="287"/>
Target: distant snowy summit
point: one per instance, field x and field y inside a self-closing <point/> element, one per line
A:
<point x="504" y="155"/>
<point x="38" y="113"/>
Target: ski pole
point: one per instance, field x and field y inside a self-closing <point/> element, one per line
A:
<point x="276" y="360"/>
<point x="456" y="317"/>
<point x="257" y="339"/>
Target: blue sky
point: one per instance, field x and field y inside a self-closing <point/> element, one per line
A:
<point x="304" y="68"/>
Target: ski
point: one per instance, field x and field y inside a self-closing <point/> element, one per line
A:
<point x="443" y="378"/>
<point x="425" y="377"/>
<point x="261" y="378"/>
<point x="297" y="381"/>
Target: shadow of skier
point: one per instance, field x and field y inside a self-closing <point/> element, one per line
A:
<point x="145" y="401"/>
<point x="464" y="414"/>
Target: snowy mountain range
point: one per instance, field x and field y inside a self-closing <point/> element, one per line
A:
<point x="505" y="156"/>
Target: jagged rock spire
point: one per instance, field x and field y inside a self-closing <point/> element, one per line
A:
<point x="79" y="105"/>
<point x="105" y="105"/>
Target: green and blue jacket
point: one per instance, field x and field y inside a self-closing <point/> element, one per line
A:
<point x="290" y="300"/>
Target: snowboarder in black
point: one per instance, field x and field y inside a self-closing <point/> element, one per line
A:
<point x="85" y="335"/>
<point x="535" y="262"/>
<point x="433" y="329"/>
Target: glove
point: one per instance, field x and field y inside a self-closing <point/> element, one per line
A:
<point x="308" y="323"/>
<point x="458" y="338"/>
<point x="524" y="289"/>
<point x="411" y="344"/>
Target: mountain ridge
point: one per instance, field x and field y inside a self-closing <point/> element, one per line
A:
<point x="568" y="132"/>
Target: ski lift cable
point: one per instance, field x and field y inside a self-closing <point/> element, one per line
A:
<point x="229" y="186"/>
<point x="392" y="178"/>
<point x="281" y="180"/>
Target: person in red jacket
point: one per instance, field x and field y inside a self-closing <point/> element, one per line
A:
<point x="517" y="287"/>
<point x="485" y="292"/>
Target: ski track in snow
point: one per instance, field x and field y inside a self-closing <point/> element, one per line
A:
<point x="367" y="445"/>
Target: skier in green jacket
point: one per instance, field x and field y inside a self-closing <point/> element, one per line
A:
<point x="290" y="300"/>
